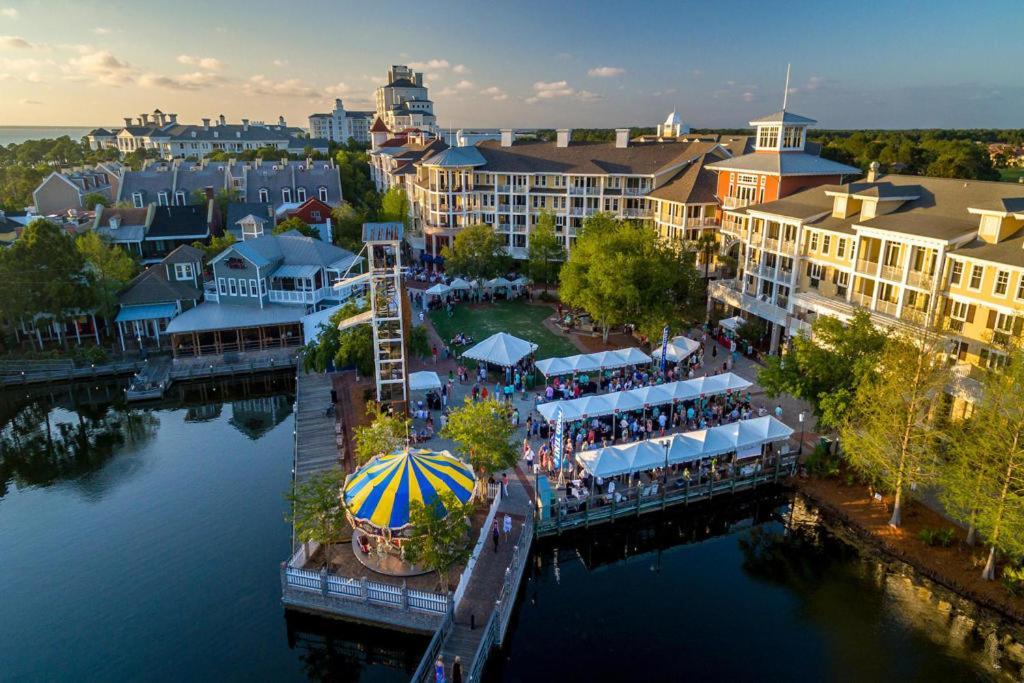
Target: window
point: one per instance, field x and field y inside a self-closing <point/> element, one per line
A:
<point x="1020" y="288"/>
<point x="813" y="246"/>
<point x="976" y="273"/>
<point x="137" y="200"/>
<point x="993" y="360"/>
<point x="222" y="286"/>
<point x="264" y="196"/>
<point x="183" y="271"/>
<point x="1002" y="283"/>
<point x="232" y="287"/>
<point x="792" y="136"/>
<point x="321" y="194"/>
<point x="958" y="310"/>
<point x="956" y="273"/>
<point x="841" y="248"/>
<point x="315" y="215"/>
<point x="161" y="198"/>
<point x="768" y="137"/>
<point x="826" y="242"/>
<point x="286" y="195"/>
<point x="1004" y="323"/>
<point x="814" y="272"/>
<point x="252" y="288"/>
<point x="300" y="194"/>
<point x="263" y="287"/>
<point x="243" y="288"/>
<point x="179" y="198"/>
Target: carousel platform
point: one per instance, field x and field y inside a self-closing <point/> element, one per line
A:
<point x="388" y="563"/>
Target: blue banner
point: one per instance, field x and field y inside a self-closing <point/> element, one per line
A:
<point x="558" y="445"/>
<point x="664" y="348"/>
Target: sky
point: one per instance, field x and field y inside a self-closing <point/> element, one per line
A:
<point x="866" y="64"/>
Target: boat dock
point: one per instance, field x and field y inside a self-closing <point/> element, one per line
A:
<point x="19" y="373"/>
<point x="316" y="429"/>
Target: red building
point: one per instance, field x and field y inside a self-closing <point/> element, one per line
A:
<point x="312" y="211"/>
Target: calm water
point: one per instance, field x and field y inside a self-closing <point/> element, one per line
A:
<point x="144" y="545"/>
<point x="19" y="134"/>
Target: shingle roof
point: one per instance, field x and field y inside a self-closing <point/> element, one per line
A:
<point x="695" y="184"/>
<point x="99" y="132"/>
<point x="1009" y="252"/>
<point x="151" y="286"/>
<point x="379" y="126"/>
<point x="179" y="222"/>
<point x="644" y="158"/>
<point x="184" y="254"/>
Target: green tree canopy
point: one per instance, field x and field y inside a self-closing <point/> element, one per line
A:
<point x="888" y="434"/>
<point x="394" y="206"/>
<point x="826" y="368"/>
<point x="419" y="342"/>
<point x="353" y="346"/>
<point x="477" y="252"/>
<point x="385" y="433"/>
<point x="546" y="253"/>
<point x="440" y="538"/>
<point x="484" y="433"/>
<point x="297" y="224"/>
<point x="109" y="269"/>
<point x="317" y="513"/>
<point x="90" y="200"/>
<point x="347" y="224"/>
<point x="216" y="246"/>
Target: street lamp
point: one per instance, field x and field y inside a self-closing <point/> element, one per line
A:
<point x="800" y="448"/>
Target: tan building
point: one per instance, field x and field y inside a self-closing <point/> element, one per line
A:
<point x="63" y="191"/>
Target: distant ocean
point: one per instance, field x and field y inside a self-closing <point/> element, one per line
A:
<point x="9" y="134"/>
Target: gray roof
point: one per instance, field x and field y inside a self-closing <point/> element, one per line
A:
<point x="298" y="145"/>
<point x="291" y="248"/>
<point x="151" y="286"/>
<point x="192" y="177"/>
<point x="784" y="117"/>
<point x="456" y="156"/>
<point x="211" y="316"/>
<point x="294" y="175"/>
<point x="640" y="158"/>
<point x="800" y="206"/>
<point x="785" y="164"/>
<point x="1009" y="252"/>
<point x="239" y="210"/>
<point x="179" y="222"/>
<point x="185" y="254"/>
<point x="183" y="132"/>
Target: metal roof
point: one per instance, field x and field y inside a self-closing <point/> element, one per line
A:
<point x="784" y="164"/>
<point x="383" y="232"/>
<point x="147" y="312"/>
<point x="210" y="316"/>
<point x="456" y="156"/>
<point x="295" y="271"/>
<point x="784" y="117"/>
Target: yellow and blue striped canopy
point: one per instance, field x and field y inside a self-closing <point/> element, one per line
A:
<point x="382" y="491"/>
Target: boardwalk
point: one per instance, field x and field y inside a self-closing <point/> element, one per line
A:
<point x="316" y="447"/>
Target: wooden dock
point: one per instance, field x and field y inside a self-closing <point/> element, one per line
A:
<point x="19" y="373"/>
<point x="316" y="446"/>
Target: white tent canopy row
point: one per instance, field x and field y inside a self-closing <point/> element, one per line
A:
<point x="424" y="381"/>
<point x="745" y="438"/>
<point x="501" y="349"/>
<point x="599" y="405"/>
<point x="438" y="290"/>
<point x="592" y="362"/>
<point x="460" y="284"/>
<point x="678" y="348"/>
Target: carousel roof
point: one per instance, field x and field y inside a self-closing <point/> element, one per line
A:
<point x="381" y="492"/>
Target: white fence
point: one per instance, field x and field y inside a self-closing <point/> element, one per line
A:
<point x="334" y="585"/>
<point x="467" y="573"/>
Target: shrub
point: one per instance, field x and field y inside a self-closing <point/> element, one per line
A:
<point x="937" y="537"/>
<point x="823" y="462"/>
<point x="546" y="296"/>
<point x="1013" y="580"/>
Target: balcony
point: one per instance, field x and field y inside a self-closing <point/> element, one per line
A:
<point x="773" y="244"/>
<point x="636" y="191"/>
<point x="300" y="296"/>
<point x="785" y="275"/>
<point x="920" y="279"/>
<point x="210" y="292"/>
<point x="861" y="299"/>
<point x="735" y="202"/>
<point x="582" y="211"/>
<point x="867" y="267"/>
<point x="581" y="190"/>
<point x="636" y="213"/>
<point x="892" y="273"/>
<point x="788" y="247"/>
<point x="503" y="188"/>
<point x="766" y="272"/>
<point x="731" y="292"/>
<point x="887" y="307"/>
<point x="732" y="229"/>
<point x="701" y="222"/>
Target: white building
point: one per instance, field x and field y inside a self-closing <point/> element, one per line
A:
<point x="403" y="102"/>
<point x="340" y="125"/>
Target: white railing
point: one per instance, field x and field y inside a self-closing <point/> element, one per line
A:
<point x="636" y="191"/>
<point x="636" y="213"/>
<point x="734" y="202"/>
<point x="701" y="222"/>
<point x="299" y="296"/>
<point x="334" y="585"/>
<point x="894" y="273"/>
<point x="481" y="542"/>
<point x="920" y="279"/>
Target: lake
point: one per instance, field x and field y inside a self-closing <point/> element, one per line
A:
<point x="144" y="544"/>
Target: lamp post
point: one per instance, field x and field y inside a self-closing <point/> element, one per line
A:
<point x="800" y="447"/>
<point x="665" y="443"/>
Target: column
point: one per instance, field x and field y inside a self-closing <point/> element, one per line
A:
<point x="773" y="347"/>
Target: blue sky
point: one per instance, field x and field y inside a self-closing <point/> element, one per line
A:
<point x="527" y="64"/>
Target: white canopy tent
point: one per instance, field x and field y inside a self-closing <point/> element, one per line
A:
<point x="599" y="405"/>
<point x="424" y="381"/>
<point x="745" y="436"/>
<point x="592" y="362"/>
<point x="460" y="284"/>
<point x="521" y="281"/>
<point x="439" y="289"/>
<point x="501" y="349"/>
<point x="678" y="349"/>
<point x="732" y="324"/>
<point x="498" y="282"/>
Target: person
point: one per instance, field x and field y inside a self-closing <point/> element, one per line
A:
<point x="778" y="411"/>
<point x="495" y="535"/>
<point x="507" y="525"/>
<point x="457" y="670"/>
<point x="434" y="352"/>
<point x="439" y="670"/>
<point x="504" y="484"/>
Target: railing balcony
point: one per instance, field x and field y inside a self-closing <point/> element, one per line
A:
<point x="210" y="292"/>
<point x="503" y="188"/>
<point x="636" y="213"/>
<point x="700" y="222"/>
<point x="860" y="299"/>
<point x="954" y="325"/>
<point x="300" y="296"/>
<point x="636" y="191"/>
<point x="577" y="190"/>
<point x="893" y="273"/>
<point x="782" y="301"/>
<point x="771" y="243"/>
<point x="887" y="307"/>
<point x="920" y="279"/>
<point x="582" y="211"/>
<point x="787" y="247"/>
<point x="733" y="229"/>
<point x="786" y="274"/>
<point x="867" y="267"/>
<point x="766" y="272"/>
<point x="735" y="202"/>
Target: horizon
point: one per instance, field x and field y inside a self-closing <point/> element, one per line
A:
<point x="546" y="67"/>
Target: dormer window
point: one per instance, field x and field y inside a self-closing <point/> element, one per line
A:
<point x="793" y="137"/>
<point x="161" y="198"/>
<point x="286" y="195"/>
<point x="264" y="196"/>
<point x="768" y="137"/>
<point x="321" y="193"/>
<point x="137" y="200"/>
<point x="300" y="194"/>
<point x="179" y="198"/>
<point x="183" y="271"/>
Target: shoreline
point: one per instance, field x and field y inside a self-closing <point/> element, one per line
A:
<point x="950" y="567"/>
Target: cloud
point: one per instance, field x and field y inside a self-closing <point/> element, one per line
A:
<point x="661" y="93"/>
<point x="102" y="31"/>
<point x="460" y="87"/>
<point x="26" y="69"/>
<point x="208" y="63"/>
<point x="430" y="64"/>
<point x="697" y="72"/>
<point x="813" y="83"/>
<point x="9" y="12"/>
<point x="29" y="102"/>
<point x="551" y="90"/>
<point x="749" y="96"/>
<point x="196" y="80"/>
<point x="101" y="67"/>
<point x="495" y="93"/>
<point x="606" y="72"/>
<point x="461" y="69"/>
<point x="280" y="62"/>
<point x="292" y="87"/>
<point x="15" y="43"/>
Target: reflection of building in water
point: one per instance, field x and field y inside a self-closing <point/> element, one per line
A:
<point x="203" y="413"/>
<point x="254" y="417"/>
<point x="338" y="650"/>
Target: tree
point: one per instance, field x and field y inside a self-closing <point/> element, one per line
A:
<point x="386" y="433"/>
<point x="216" y="246"/>
<point x="826" y="367"/>
<point x="317" y="513"/>
<point x="353" y="346"/>
<point x="484" y="433"/>
<point x="90" y="200"/>
<point x="621" y="272"/>
<point x="889" y="434"/>
<point x="440" y="538"/>
<point x="419" y="342"/>
<point x="109" y="268"/>
<point x="347" y="224"/>
<point x="477" y="252"/>
<point x="394" y="206"/>
<point x="983" y="484"/>
<point x="546" y="253"/>
<point x="197" y="197"/>
<point x="297" y="224"/>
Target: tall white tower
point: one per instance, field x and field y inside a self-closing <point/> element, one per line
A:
<point x="384" y="256"/>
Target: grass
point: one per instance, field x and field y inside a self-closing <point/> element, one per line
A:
<point x="515" y="317"/>
<point x="1011" y="175"/>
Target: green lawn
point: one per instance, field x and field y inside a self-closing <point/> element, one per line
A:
<point x="515" y="317"/>
<point x="1011" y="175"/>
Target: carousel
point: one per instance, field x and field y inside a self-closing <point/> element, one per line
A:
<point x="378" y="499"/>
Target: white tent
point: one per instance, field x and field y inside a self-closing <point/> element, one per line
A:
<point x="459" y="283"/>
<point x="679" y="348"/>
<point x="745" y="437"/>
<point x="635" y="399"/>
<point x="424" y="381"/>
<point x="501" y="349"/>
<point x="439" y="289"/>
<point x="732" y="324"/>
<point x="521" y="281"/>
<point x="498" y="282"/>
<point x="592" y="362"/>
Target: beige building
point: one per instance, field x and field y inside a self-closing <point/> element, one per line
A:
<point x="63" y="191"/>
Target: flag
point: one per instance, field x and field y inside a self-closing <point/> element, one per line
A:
<point x="664" y="348"/>
<point x="558" y="443"/>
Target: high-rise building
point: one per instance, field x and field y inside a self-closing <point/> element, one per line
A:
<point x="340" y="125"/>
<point x="403" y="101"/>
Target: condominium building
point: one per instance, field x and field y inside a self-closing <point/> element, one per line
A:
<point x="64" y="191"/>
<point x="340" y="125"/>
<point x="403" y="101"/>
<point x="911" y="250"/>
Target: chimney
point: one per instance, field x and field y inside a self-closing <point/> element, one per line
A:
<point x="562" y="136"/>
<point x="419" y="80"/>
<point x="284" y="161"/>
<point x="208" y="191"/>
<point x="206" y="124"/>
<point x="337" y="103"/>
<point x="127" y="121"/>
<point x="173" y="118"/>
<point x="245" y="124"/>
<point x="622" y="137"/>
<point x="507" y="137"/>
<point x="280" y="121"/>
<point x="139" y="122"/>
<point x="144" y="118"/>
<point x="222" y="119"/>
<point x="872" y="172"/>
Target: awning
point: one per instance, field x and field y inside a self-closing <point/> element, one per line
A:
<point x="424" y="381"/>
<point x="732" y="324"/>
<point x="592" y="362"/>
<point x="295" y="271"/>
<point x="439" y="290"/>
<point x="501" y="349"/>
<point x="459" y="283"/>
<point x="147" y="312"/>
<point x="679" y="348"/>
